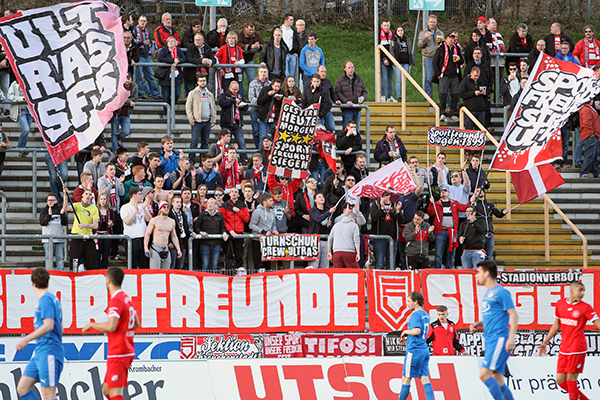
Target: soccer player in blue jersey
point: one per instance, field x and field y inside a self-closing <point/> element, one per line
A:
<point x="498" y="310"/>
<point x="416" y="361"/>
<point x="47" y="362"/>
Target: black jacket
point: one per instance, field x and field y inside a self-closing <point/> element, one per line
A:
<point x="188" y="37"/>
<point x="193" y="56"/>
<point x="550" y="43"/>
<point x="321" y="95"/>
<point x="344" y="142"/>
<point x="211" y="224"/>
<point x="214" y="39"/>
<point x="133" y="54"/>
<point x="316" y="218"/>
<point x="486" y="211"/>
<point x="227" y="102"/>
<point x="515" y="45"/>
<point x="451" y="68"/>
<point x="483" y="180"/>
<point x="473" y="233"/>
<point x="382" y="150"/>
<point x="164" y="56"/>
<point x="327" y="86"/>
<point x="332" y="192"/>
<point x="379" y="225"/>
<point x="265" y="104"/>
<point x="268" y="55"/>
<point x="45" y="216"/>
<point x="186" y="226"/>
<point x="466" y="90"/>
<point x="485" y="76"/>
<point x="485" y="52"/>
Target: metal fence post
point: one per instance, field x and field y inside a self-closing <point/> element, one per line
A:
<point x="368" y="134"/>
<point x="173" y="99"/>
<point x="190" y="258"/>
<point x="3" y="195"/>
<point x="51" y="251"/>
<point x="34" y="184"/>
<point x="129" y="252"/>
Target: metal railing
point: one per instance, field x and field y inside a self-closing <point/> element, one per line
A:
<point x="4" y="199"/>
<point x="255" y="236"/>
<point x="547" y="200"/>
<point x="50" y="238"/>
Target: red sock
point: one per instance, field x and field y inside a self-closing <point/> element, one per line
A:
<point x="573" y="390"/>
<point x="582" y="396"/>
<point x="564" y="386"/>
<point x="117" y="398"/>
<point x="108" y="397"/>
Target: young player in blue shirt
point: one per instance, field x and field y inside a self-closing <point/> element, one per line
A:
<point x="498" y="310"/>
<point x="47" y="363"/>
<point x="416" y="361"/>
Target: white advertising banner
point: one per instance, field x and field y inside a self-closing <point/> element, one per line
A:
<point x="360" y="378"/>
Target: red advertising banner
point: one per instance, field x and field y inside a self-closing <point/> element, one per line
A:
<point x="193" y="302"/>
<point x="342" y="345"/>
<point x="287" y="345"/>
<point x="535" y="294"/>
<point x="387" y="291"/>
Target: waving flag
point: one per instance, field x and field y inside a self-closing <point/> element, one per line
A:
<point x="535" y="182"/>
<point x="70" y="61"/>
<point x="326" y="147"/>
<point x="394" y="178"/>
<point x="555" y="90"/>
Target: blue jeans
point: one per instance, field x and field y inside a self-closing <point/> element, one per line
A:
<point x="381" y="248"/>
<point x="428" y="75"/>
<point x="351" y="114"/>
<point x="25" y="120"/>
<point x="441" y="248"/>
<point x="488" y="246"/>
<point x="188" y="87"/>
<point x="166" y="95"/>
<point x="263" y="131"/>
<point x="125" y="122"/>
<point x="4" y="85"/>
<point x="177" y="263"/>
<point x="578" y="148"/>
<point x="250" y="75"/>
<point x="55" y="184"/>
<point x="328" y="122"/>
<point x="565" y="134"/>
<point x="387" y="81"/>
<point x="470" y="259"/>
<point x="200" y="133"/>
<point x="143" y="74"/>
<point x="322" y="166"/>
<point x="255" y="128"/>
<point x="290" y="64"/>
<point x="398" y="76"/>
<point x="103" y="253"/>
<point x="209" y="256"/>
<point x="590" y="157"/>
<point x="238" y="133"/>
<point x="59" y="253"/>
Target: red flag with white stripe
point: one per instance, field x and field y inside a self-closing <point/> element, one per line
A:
<point x="536" y="181"/>
<point x="326" y="146"/>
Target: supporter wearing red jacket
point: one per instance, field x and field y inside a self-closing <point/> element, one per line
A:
<point x="442" y="334"/>
<point x="235" y="214"/>
<point x="165" y="30"/>
<point x="289" y="188"/>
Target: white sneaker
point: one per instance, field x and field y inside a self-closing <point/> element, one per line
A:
<point x="454" y="118"/>
<point x="383" y="99"/>
<point x="443" y="118"/>
<point x="81" y="268"/>
<point x="391" y="100"/>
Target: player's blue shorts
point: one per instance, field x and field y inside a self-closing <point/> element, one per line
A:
<point x="496" y="355"/>
<point x="44" y="368"/>
<point x="416" y="364"/>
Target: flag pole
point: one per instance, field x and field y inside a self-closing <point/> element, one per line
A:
<point x="429" y="180"/>
<point x="68" y="196"/>
<point x="520" y="204"/>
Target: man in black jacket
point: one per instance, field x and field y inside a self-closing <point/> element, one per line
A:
<point x="470" y="234"/>
<point x="274" y="54"/>
<point x="447" y="61"/>
<point x="52" y="219"/>
<point x="190" y="33"/>
<point x="232" y="104"/>
<point x="475" y="171"/>
<point x="269" y="103"/>
<point x="316" y="94"/>
<point x="390" y="148"/>
<point x="350" y="141"/>
<point x="486" y="210"/>
<point x="486" y="79"/>
<point x="327" y="120"/>
<point x="198" y="53"/>
<point x="472" y="92"/>
<point x="519" y="42"/>
<point x="385" y="217"/>
<point x="133" y="52"/>
<point x="555" y="38"/>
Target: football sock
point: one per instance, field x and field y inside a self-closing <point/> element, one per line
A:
<point x="564" y="386"/>
<point x="573" y="390"/>
<point x="428" y="391"/>
<point x="404" y="392"/>
<point x="30" y="396"/>
<point x="494" y="388"/>
<point x="506" y="393"/>
<point x="120" y="397"/>
<point x="582" y="396"/>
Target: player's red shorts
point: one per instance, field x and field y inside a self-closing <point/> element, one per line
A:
<point x="570" y="363"/>
<point x="116" y="371"/>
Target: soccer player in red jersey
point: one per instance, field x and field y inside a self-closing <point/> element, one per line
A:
<point x="571" y="316"/>
<point x="122" y="321"/>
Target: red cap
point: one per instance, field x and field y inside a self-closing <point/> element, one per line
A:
<point x="482" y="19"/>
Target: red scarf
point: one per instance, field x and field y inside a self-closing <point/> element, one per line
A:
<point x="203" y="204"/>
<point x="258" y="172"/>
<point x="233" y="55"/>
<point x="498" y="42"/>
<point x="124" y="167"/>
<point x="232" y="178"/>
<point x="112" y="196"/>
<point x="173" y="53"/>
<point x="524" y="41"/>
<point x="447" y="56"/>
<point x="307" y="201"/>
<point x="237" y="112"/>
<point x="395" y="147"/>
<point x="594" y="47"/>
<point x="385" y="38"/>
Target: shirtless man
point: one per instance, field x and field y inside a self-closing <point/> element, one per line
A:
<point x="161" y="227"/>
<point x="161" y="193"/>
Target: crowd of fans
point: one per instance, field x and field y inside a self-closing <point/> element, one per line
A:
<point x="160" y="198"/>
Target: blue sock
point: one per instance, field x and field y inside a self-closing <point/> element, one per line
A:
<point x="506" y="393"/>
<point x="404" y="392"/>
<point x="30" y="396"/>
<point x="494" y="388"/>
<point x="428" y="391"/>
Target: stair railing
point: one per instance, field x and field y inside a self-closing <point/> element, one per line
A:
<point x="405" y="76"/>
<point x="547" y="200"/>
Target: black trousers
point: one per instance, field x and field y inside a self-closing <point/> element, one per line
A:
<point x="83" y="250"/>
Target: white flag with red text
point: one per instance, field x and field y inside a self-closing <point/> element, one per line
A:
<point x="394" y="178"/>
<point x="71" y="63"/>
<point x="535" y="182"/>
<point x="555" y="90"/>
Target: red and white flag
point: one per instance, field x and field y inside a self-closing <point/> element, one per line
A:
<point x="555" y="90"/>
<point x="536" y="181"/>
<point x="326" y="147"/>
<point x="71" y="63"/>
<point x="394" y="178"/>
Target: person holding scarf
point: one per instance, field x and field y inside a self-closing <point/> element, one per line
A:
<point x="231" y="171"/>
<point x="390" y="148"/>
<point x="447" y="62"/>
<point x="182" y="229"/>
<point x="587" y="50"/>
<point x="257" y="174"/>
<point x="230" y="53"/>
<point x="171" y="54"/>
<point x="304" y="202"/>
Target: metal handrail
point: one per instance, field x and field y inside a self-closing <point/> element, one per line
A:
<point x="70" y="236"/>
<point x="547" y="200"/>
<point x="406" y="75"/>
<point x="255" y="236"/>
<point x="4" y="214"/>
